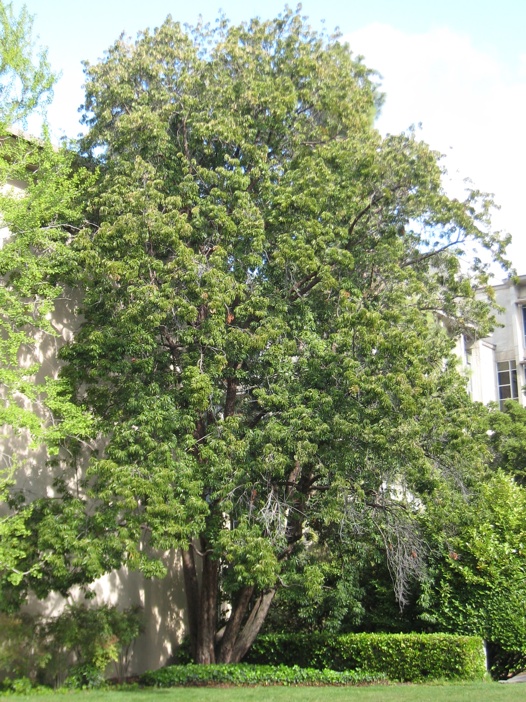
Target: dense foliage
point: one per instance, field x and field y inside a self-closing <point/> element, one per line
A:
<point x="33" y="260"/>
<point x="507" y="438"/>
<point x="74" y="648"/>
<point x="403" y="657"/>
<point x="479" y="584"/>
<point x="26" y="78"/>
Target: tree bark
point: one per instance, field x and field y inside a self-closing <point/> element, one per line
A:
<point x="252" y="626"/>
<point x="231" y="394"/>
<point x="233" y="625"/>
<point x="207" y="622"/>
<point x="191" y="586"/>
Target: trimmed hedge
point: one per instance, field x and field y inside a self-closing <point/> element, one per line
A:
<point x="400" y="657"/>
<point x="244" y="674"/>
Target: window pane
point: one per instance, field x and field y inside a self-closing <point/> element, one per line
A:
<point x="504" y="378"/>
<point x="507" y="381"/>
<point x="514" y="386"/>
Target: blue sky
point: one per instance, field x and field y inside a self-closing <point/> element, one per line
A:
<point x="458" y="67"/>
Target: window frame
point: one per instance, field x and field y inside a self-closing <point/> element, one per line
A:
<point x="512" y="384"/>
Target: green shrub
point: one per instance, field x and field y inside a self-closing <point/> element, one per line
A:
<point x="76" y="646"/>
<point x="84" y="677"/>
<point x="83" y="641"/>
<point x="22" y="652"/>
<point x="22" y="686"/>
<point x="401" y="657"/>
<point x="504" y="664"/>
<point x="245" y="674"/>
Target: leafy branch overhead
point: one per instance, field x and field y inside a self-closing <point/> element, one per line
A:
<point x="26" y="79"/>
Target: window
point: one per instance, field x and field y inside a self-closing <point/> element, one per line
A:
<point x="524" y="323"/>
<point x="507" y="379"/>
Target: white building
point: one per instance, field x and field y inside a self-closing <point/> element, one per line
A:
<point x="496" y="365"/>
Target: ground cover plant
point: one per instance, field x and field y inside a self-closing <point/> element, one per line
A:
<point x="243" y="674"/>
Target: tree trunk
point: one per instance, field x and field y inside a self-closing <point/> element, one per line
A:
<point x="207" y="617"/>
<point x="240" y="630"/>
<point x="250" y="630"/>
<point x="233" y="626"/>
<point x="191" y="586"/>
<point x="201" y="603"/>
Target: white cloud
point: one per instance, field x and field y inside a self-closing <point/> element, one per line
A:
<point x="470" y="105"/>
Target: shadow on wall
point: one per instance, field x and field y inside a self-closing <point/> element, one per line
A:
<point x="163" y="603"/>
<point x="33" y="473"/>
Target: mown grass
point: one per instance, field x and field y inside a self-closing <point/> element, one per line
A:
<point x="447" y="692"/>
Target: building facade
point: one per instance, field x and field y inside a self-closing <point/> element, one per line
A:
<point x="496" y="365"/>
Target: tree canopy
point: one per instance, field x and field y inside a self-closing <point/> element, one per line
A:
<point x="270" y="296"/>
<point x="26" y="78"/>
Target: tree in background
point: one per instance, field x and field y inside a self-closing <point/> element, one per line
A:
<point x="507" y="440"/>
<point x="34" y="255"/>
<point x="476" y="577"/>
<point x="270" y="295"/>
<point x="24" y="86"/>
<point x="26" y="79"/>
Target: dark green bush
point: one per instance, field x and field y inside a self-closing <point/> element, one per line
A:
<point x="244" y="674"/>
<point x="77" y="646"/>
<point x="401" y="657"/>
<point x="504" y="664"/>
<point x="22" y="651"/>
<point x="183" y="653"/>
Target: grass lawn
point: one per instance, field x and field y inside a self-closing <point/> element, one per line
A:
<point x="468" y="692"/>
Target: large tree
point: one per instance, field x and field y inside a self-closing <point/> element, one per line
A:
<point x="270" y="293"/>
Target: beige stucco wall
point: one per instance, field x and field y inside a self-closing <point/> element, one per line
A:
<point x="482" y="372"/>
<point x="479" y="357"/>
